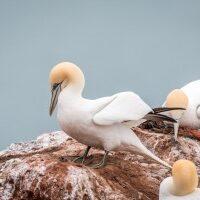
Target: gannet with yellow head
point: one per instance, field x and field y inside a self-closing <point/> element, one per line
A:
<point x="183" y="183"/>
<point x="188" y="97"/>
<point x="176" y="98"/>
<point x="104" y="123"/>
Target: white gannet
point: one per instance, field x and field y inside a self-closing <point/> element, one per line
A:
<point x="103" y="123"/>
<point x="187" y="97"/>
<point x="183" y="183"/>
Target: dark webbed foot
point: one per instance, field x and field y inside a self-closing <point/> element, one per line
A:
<point x="83" y="157"/>
<point x="102" y="162"/>
<point x="78" y="159"/>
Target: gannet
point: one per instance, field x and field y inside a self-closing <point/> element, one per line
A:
<point x="187" y="97"/>
<point x="103" y="123"/>
<point x="183" y="183"/>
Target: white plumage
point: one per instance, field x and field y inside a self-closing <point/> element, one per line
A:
<point x="125" y="106"/>
<point x="99" y="123"/>
<point x="182" y="185"/>
<point x="188" y="97"/>
<point x="165" y="192"/>
<point x="191" y="117"/>
<point x="105" y="122"/>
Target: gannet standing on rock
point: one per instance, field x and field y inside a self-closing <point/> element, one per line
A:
<point x="187" y="97"/>
<point x="183" y="183"/>
<point x="101" y="123"/>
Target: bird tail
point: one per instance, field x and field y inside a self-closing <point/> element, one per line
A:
<point x="154" y="157"/>
<point x="135" y="144"/>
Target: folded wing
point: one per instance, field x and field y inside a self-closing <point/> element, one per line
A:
<point x="126" y="106"/>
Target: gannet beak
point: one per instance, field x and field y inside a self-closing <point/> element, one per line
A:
<point x="176" y="127"/>
<point x="55" y="91"/>
<point x="166" y="109"/>
<point x="176" y="114"/>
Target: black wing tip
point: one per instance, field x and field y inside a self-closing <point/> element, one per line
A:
<point x="166" y="118"/>
<point x="165" y="109"/>
<point x="156" y="117"/>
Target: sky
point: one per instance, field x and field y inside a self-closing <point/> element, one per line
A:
<point x="149" y="47"/>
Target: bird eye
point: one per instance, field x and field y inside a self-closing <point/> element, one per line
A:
<point x="55" y="85"/>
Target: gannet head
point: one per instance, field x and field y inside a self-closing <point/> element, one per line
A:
<point x="177" y="98"/>
<point x="62" y="75"/>
<point x="185" y="178"/>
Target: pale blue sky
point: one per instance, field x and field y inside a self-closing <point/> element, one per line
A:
<point x="149" y="47"/>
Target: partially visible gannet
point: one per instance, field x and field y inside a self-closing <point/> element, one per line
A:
<point x="183" y="183"/>
<point x="187" y="97"/>
<point x="104" y="123"/>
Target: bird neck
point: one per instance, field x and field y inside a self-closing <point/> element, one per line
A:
<point x="167" y="186"/>
<point x="172" y="189"/>
<point x="75" y="84"/>
<point x="74" y="88"/>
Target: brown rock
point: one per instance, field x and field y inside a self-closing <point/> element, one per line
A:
<point x="33" y="170"/>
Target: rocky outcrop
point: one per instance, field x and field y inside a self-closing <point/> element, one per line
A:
<point x="34" y="170"/>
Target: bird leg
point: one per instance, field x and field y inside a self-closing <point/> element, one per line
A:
<point x="82" y="157"/>
<point x="102" y="162"/>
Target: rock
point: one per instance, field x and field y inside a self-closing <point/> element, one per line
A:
<point x="33" y="170"/>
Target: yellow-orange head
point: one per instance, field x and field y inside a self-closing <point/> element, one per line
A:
<point x="185" y="178"/>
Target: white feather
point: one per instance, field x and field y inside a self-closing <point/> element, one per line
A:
<point x="190" y="117"/>
<point x="166" y="194"/>
<point x="126" y="106"/>
<point x="98" y="123"/>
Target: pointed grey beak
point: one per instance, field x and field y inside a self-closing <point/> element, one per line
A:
<point x="55" y="91"/>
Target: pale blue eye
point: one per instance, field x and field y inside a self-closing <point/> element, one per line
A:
<point x="55" y="85"/>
